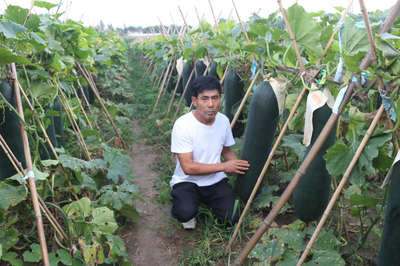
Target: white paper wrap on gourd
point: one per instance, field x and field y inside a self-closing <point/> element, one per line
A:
<point x="205" y="60"/>
<point x="179" y="66"/>
<point x="389" y="174"/>
<point x="315" y="100"/>
<point x="279" y="85"/>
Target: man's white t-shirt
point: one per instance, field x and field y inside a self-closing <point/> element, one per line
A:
<point x="206" y="143"/>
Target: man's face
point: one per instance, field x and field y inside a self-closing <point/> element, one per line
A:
<point x="207" y="106"/>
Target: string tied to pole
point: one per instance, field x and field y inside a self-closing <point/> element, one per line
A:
<point x="387" y="104"/>
<point x="30" y="174"/>
<point x="254" y="66"/>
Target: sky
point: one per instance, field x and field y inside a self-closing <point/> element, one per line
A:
<point x="124" y="13"/>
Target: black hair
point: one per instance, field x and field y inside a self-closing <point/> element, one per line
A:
<point x="203" y="83"/>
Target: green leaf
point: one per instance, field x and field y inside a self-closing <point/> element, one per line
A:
<point x="118" y="162"/>
<point x="18" y="15"/>
<point x="274" y="250"/>
<point x="11" y="29"/>
<point x="388" y="53"/>
<point x="8" y="57"/>
<point x="117" y="246"/>
<point x="8" y="238"/>
<point x="294" y="141"/>
<point x="305" y="29"/>
<point x="293" y="238"/>
<point x="103" y="220"/>
<point x="11" y="257"/>
<point x="266" y="198"/>
<point x="325" y="241"/>
<point x="359" y="203"/>
<point x="10" y="196"/>
<point x="326" y="258"/>
<point x="121" y="198"/>
<point x="354" y="39"/>
<point x="35" y="255"/>
<point x="289" y="258"/>
<point x="90" y="132"/>
<point x="46" y="5"/>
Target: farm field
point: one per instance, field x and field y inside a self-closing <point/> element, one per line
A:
<point x="86" y="117"/>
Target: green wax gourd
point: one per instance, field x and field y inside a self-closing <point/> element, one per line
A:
<point x="262" y="123"/>
<point x="311" y="196"/>
<point x="233" y="90"/>
<point x="10" y="130"/>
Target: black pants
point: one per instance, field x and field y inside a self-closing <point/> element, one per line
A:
<point x="220" y="198"/>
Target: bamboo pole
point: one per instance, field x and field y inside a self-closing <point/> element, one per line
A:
<point x="163" y="72"/>
<point x="96" y="93"/>
<point x="169" y="78"/>
<point x="88" y="105"/>
<point x="83" y="109"/>
<point x="179" y="32"/>
<point x="183" y="96"/>
<point x="162" y="85"/>
<point x="166" y="33"/>
<point x="244" y="100"/>
<point x="29" y="13"/>
<point x="74" y="125"/>
<point x="314" y="150"/>
<point x="58" y="8"/>
<point x="18" y="167"/>
<point x="215" y="20"/>
<point x="144" y="75"/>
<point x="31" y="181"/>
<point x="341" y="185"/>
<point x="173" y="95"/>
<point x="46" y="136"/>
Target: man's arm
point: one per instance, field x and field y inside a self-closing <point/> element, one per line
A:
<point x="232" y="165"/>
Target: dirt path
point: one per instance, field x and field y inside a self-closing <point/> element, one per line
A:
<point x="148" y="240"/>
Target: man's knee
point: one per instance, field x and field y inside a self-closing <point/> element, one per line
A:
<point x="183" y="214"/>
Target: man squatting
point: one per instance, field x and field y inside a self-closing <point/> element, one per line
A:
<point x="199" y="139"/>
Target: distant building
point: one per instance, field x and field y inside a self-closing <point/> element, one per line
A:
<point x="134" y="32"/>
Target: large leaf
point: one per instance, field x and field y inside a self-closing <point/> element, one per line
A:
<point x="18" y="15"/>
<point x="118" y="162"/>
<point x="305" y="29"/>
<point x="12" y="258"/>
<point x="103" y="220"/>
<point x="354" y="39"/>
<point x="46" y="5"/>
<point x="121" y="198"/>
<point x="326" y="258"/>
<point x="293" y="238"/>
<point x="8" y="238"/>
<point x="8" y="57"/>
<point x="11" y="29"/>
<point x="294" y="141"/>
<point x="33" y="256"/>
<point x="339" y="156"/>
<point x="10" y="196"/>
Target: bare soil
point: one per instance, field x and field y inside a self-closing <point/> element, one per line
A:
<point x="153" y="239"/>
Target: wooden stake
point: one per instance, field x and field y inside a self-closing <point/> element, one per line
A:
<point x="314" y="150"/>
<point x="74" y="125"/>
<point x="183" y="96"/>
<point x="173" y="95"/>
<point x="215" y="20"/>
<point x="145" y="73"/>
<point x="162" y="85"/>
<point x="169" y="78"/>
<point x="31" y="181"/>
<point x="83" y="110"/>
<point x="96" y="93"/>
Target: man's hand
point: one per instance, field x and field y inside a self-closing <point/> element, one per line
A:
<point x="236" y="166"/>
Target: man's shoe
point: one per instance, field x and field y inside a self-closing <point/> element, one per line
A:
<point x="191" y="224"/>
